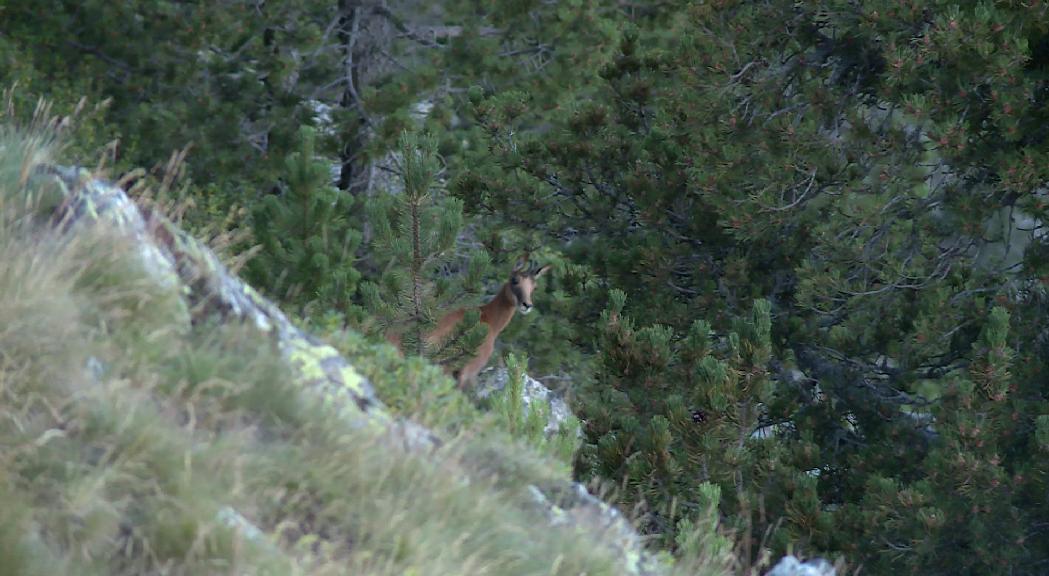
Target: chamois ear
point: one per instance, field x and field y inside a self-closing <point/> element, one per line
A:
<point x="542" y="270"/>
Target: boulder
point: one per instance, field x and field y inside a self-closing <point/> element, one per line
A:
<point x="493" y="380"/>
<point x="791" y="566"/>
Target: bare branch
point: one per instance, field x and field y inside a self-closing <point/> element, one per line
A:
<point x="426" y="35"/>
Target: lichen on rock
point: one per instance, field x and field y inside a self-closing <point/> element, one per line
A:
<point x="209" y="291"/>
<point x="206" y="291"/>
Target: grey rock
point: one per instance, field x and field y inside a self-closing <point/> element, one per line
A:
<point x="207" y="289"/>
<point x="493" y="380"/>
<point x="791" y="566"/>
<point x="571" y="504"/>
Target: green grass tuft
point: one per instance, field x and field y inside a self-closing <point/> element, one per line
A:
<point x="125" y="436"/>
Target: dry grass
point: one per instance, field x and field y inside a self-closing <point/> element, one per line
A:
<point x="122" y="437"/>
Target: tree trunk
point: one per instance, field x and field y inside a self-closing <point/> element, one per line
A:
<point x="364" y="36"/>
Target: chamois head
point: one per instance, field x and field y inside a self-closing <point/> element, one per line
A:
<point x="522" y="283"/>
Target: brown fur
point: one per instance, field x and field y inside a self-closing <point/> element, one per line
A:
<point x="497" y="313"/>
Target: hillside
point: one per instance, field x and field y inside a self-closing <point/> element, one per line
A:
<point x="794" y="294"/>
<point x="160" y="417"/>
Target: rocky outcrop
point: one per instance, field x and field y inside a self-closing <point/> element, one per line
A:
<point x="572" y="505"/>
<point x="494" y="380"/>
<point x="791" y="566"/>
<point x="206" y="290"/>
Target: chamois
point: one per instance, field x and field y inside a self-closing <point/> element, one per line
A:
<point x="515" y="294"/>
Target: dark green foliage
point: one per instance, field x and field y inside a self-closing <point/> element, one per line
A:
<point x="307" y="244"/>
<point x="667" y="412"/>
<point x="975" y="493"/>
<point x="227" y="77"/>
<point x="821" y="225"/>
<point x="528" y="421"/>
<point x="875" y="172"/>
<point x="414" y="232"/>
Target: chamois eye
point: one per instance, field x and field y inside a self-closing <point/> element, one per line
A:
<point x="515" y="280"/>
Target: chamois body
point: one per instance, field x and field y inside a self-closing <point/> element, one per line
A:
<point x="514" y="294"/>
<point x="496" y="314"/>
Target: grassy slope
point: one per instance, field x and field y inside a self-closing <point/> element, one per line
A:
<point x="123" y="435"/>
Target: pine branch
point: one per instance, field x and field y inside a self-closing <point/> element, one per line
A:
<point x="417" y="261"/>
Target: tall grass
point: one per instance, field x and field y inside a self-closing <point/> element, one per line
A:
<point x="123" y="437"/>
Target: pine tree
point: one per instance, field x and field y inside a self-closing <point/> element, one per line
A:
<point x="423" y="272"/>
<point x="227" y="78"/>
<point x="308" y="245"/>
<point x="667" y="412"/>
<point x="973" y="510"/>
<point x="875" y="171"/>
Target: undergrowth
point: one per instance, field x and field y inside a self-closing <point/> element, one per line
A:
<point x="129" y="437"/>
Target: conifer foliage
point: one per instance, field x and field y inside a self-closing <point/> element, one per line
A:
<point x="876" y="171"/>
<point x="975" y="495"/>
<point x="227" y="78"/>
<point x="801" y="247"/>
<point x="528" y="419"/>
<point x="308" y="245"/>
<point x="422" y="273"/>
<point x="667" y="412"/>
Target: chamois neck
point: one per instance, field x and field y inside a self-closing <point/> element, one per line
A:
<point x="498" y="312"/>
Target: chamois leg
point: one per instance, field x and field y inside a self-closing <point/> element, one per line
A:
<point x="468" y="373"/>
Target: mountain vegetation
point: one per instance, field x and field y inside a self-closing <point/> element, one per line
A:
<point x="799" y="262"/>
